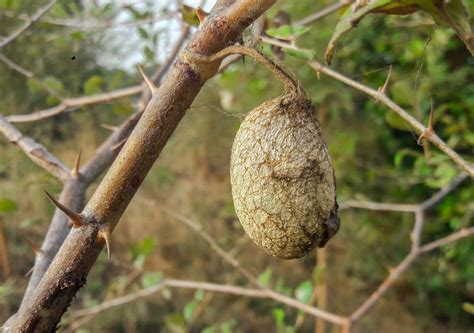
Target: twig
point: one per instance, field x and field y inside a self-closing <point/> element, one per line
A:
<point x="418" y="126"/>
<point x="41" y="11"/>
<point x="382" y="98"/>
<point x="67" y="273"/>
<point x="465" y="232"/>
<point x="36" y="152"/>
<point x="381" y="206"/>
<point x="214" y="287"/>
<point x="213" y="244"/>
<point x="323" y="13"/>
<point x="29" y="75"/>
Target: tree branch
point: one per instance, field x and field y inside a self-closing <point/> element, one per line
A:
<point x="214" y="287"/>
<point x="381" y="97"/>
<point x="68" y="271"/>
<point x="27" y="24"/>
<point x="36" y="152"/>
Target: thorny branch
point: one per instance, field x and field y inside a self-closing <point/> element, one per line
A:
<point x="381" y="97"/>
<point x="69" y="269"/>
<point x="75" y="184"/>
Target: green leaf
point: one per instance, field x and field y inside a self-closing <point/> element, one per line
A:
<point x="189" y="310"/>
<point x="287" y="32"/>
<point x="349" y="20"/>
<point x="451" y="13"/>
<point x="199" y="295"/>
<point x="7" y="205"/>
<point x="457" y="18"/>
<point x="279" y="316"/>
<point x="304" y="291"/>
<point x="265" y="277"/>
<point x="468" y="307"/>
<point x="78" y="35"/>
<point x="304" y="54"/>
<point x="142" y="32"/>
<point x="150" y="279"/>
<point x="93" y="85"/>
<point x="189" y="15"/>
<point x="54" y="84"/>
<point x="395" y="121"/>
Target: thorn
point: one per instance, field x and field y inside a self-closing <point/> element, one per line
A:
<point x="30" y="271"/>
<point x="76" y="219"/>
<point x="34" y="247"/>
<point x="429" y="130"/>
<point x="75" y="170"/>
<point x="104" y="234"/>
<point x="383" y="88"/>
<point x="148" y="81"/>
<point x="201" y="14"/>
<point x="109" y="127"/>
<point x="118" y="144"/>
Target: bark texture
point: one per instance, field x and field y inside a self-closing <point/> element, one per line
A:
<point x="68" y="271"/>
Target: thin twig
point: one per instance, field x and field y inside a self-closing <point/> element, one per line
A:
<point x="323" y="13"/>
<point x="40" y="12"/>
<point x="36" y="152"/>
<point x="382" y="98"/>
<point x="214" y="245"/>
<point x="214" y="287"/>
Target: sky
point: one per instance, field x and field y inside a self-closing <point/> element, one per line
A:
<point x="125" y="44"/>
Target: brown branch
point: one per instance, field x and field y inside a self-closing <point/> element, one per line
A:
<point x="417" y="126"/>
<point x="215" y="246"/>
<point x="73" y="192"/>
<point x="381" y="97"/>
<point x="71" y="103"/>
<point x="36" y="152"/>
<point x="381" y="206"/>
<point x="416" y="248"/>
<point x="40" y="12"/>
<point x="465" y="232"/>
<point x="69" y="269"/>
<point x="213" y="287"/>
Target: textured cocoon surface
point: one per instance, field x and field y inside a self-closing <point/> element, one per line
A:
<point x="282" y="178"/>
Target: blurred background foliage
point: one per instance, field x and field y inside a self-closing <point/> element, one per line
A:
<point x="375" y="154"/>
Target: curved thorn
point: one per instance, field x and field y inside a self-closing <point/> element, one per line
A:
<point x="34" y="247"/>
<point x="118" y="144"/>
<point x="75" y="170"/>
<point x="76" y="219"/>
<point x="201" y="14"/>
<point x="104" y="234"/>
<point x="429" y="130"/>
<point x="109" y="127"/>
<point x="148" y="81"/>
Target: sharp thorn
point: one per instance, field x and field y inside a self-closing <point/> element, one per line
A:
<point x="383" y="89"/>
<point x="109" y="127"/>
<point x="429" y="130"/>
<point x="75" y="170"/>
<point x="34" y="247"/>
<point x="201" y="14"/>
<point x="104" y="234"/>
<point x="118" y="144"/>
<point x="148" y="81"/>
<point x="30" y="271"/>
<point x="76" y="219"/>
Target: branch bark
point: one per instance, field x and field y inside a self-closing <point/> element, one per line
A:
<point x="68" y="271"/>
